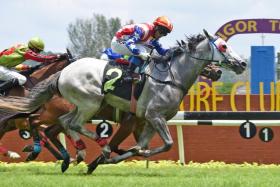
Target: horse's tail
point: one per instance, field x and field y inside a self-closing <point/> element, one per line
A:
<point x="39" y="95"/>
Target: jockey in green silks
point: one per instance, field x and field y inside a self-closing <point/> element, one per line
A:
<point x="14" y="56"/>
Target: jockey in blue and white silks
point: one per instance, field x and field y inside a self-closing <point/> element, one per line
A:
<point x="131" y="39"/>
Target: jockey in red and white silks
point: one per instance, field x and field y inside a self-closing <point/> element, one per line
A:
<point x="130" y="39"/>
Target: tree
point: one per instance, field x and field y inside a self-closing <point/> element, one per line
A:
<point x="88" y="37"/>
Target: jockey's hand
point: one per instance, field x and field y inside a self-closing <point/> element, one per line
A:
<point x="62" y="56"/>
<point x="144" y="55"/>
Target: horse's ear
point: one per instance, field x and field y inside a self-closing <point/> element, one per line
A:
<point x="183" y="42"/>
<point x="180" y="45"/>
<point x="210" y="37"/>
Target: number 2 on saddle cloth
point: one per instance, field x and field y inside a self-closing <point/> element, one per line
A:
<point x="117" y="81"/>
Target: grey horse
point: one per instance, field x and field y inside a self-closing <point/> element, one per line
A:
<point x="81" y="84"/>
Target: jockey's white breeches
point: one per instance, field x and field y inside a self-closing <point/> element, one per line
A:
<point x="119" y="47"/>
<point x="7" y="74"/>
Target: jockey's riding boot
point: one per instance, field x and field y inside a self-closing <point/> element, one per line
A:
<point x="133" y="75"/>
<point x="7" y="85"/>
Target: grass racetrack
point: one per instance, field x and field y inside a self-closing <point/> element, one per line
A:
<point x="135" y="173"/>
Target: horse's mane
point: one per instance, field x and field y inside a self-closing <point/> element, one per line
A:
<point x="48" y="70"/>
<point x="194" y="40"/>
<point x="191" y="41"/>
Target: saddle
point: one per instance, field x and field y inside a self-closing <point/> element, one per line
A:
<point x="118" y="80"/>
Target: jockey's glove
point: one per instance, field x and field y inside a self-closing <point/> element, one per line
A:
<point x="144" y="56"/>
<point x="62" y="56"/>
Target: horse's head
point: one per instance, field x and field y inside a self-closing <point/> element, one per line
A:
<point x="224" y="56"/>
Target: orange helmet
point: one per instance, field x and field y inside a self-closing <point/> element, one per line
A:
<point x="164" y="22"/>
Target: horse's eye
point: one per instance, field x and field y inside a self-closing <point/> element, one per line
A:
<point x="222" y="48"/>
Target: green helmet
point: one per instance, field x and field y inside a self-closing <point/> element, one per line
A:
<point x="36" y="43"/>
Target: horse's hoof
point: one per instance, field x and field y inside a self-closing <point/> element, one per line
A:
<point x="80" y="156"/>
<point x="65" y="164"/>
<point x="92" y="166"/>
<point x="31" y="156"/>
<point x="106" y="151"/>
<point x="134" y="149"/>
<point x="79" y="159"/>
<point x="144" y="153"/>
<point x="120" y="151"/>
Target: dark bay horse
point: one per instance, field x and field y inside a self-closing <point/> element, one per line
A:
<point x="40" y="73"/>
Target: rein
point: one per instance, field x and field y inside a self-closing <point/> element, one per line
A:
<point x="172" y="82"/>
<point x="33" y="80"/>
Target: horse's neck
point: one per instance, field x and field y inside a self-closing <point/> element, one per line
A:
<point x="46" y="71"/>
<point x="158" y="70"/>
<point x="30" y="83"/>
<point x="186" y="69"/>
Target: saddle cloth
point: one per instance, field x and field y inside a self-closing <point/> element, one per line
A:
<point x="114" y="81"/>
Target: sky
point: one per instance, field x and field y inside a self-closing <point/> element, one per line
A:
<point x="49" y="19"/>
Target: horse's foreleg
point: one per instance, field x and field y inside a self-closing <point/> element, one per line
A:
<point x="159" y="124"/>
<point x="139" y="127"/>
<point x="78" y="143"/>
<point x="75" y="121"/>
<point x="101" y="159"/>
<point x="36" y="139"/>
<point x="146" y="135"/>
<point x="51" y="133"/>
<point x="144" y="139"/>
<point x="102" y="142"/>
<point x="53" y="151"/>
<point x="127" y="126"/>
<point x="141" y="132"/>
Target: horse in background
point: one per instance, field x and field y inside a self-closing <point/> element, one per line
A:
<point x="9" y="122"/>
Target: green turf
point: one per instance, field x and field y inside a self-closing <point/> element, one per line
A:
<point x="134" y="174"/>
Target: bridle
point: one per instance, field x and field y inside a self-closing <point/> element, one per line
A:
<point x="214" y="47"/>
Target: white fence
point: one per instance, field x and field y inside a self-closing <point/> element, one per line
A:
<point x="179" y="121"/>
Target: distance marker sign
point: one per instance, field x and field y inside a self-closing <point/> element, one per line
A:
<point x="247" y="130"/>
